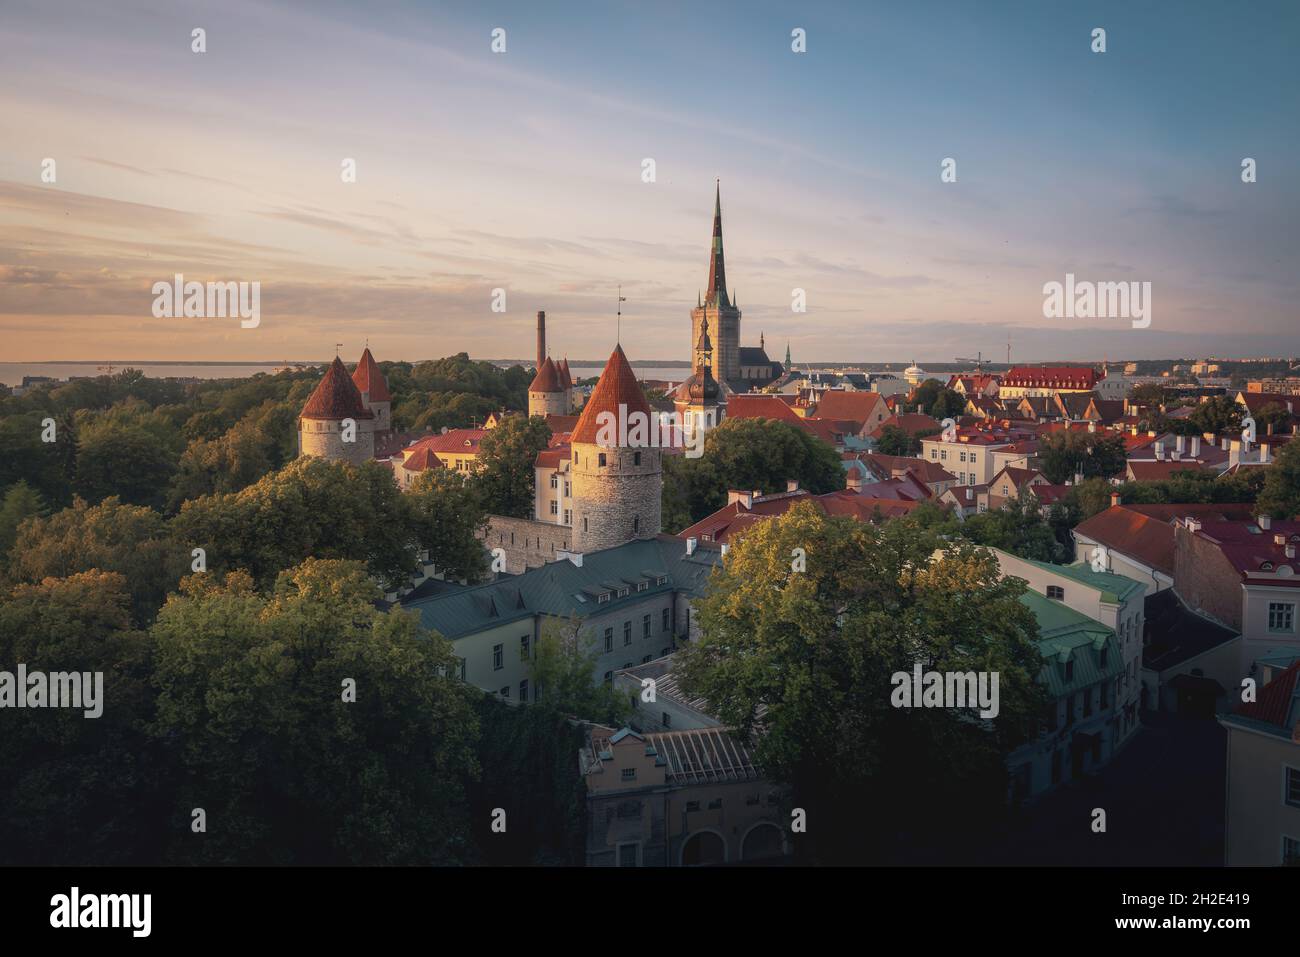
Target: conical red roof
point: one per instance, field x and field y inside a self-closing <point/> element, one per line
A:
<point x="337" y="397"/>
<point x="566" y="380"/>
<point x="547" y="378"/>
<point x="617" y="386"/>
<point x="368" y="378"/>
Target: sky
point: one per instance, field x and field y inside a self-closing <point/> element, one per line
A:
<point x="523" y="171"/>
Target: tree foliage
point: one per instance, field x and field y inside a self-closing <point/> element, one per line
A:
<point x="506" y="461"/>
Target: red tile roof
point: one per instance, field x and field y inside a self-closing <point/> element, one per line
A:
<point x="336" y="397"/>
<point x="561" y="423"/>
<point x="422" y="458"/>
<point x="1276" y="703"/>
<point x="1157" y="471"/>
<point x="1051" y="377"/>
<point x="730" y="521"/>
<point x="551" y="458"/>
<point x="547" y="378"/>
<point x="566" y="380"/>
<point x="749" y="406"/>
<point x="617" y="387"/>
<point x="856" y="407"/>
<point x="453" y="440"/>
<point x="368" y="378"/>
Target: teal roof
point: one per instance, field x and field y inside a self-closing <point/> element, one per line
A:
<point x="563" y="589"/>
<point x="1114" y="589"/>
<point x="1067" y="637"/>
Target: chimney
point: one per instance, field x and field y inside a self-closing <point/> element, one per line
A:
<point x="1078" y="478"/>
<point x="1193" y="524"/>
<point x="1266" y="522"/>
<point x="1114" y="499"/>
<point x="792" y="485"/>
<point x="1180" y="445"/>
<point x="745" y="498"/>
<point x="1263" y="452"/>
<point x="1196" y="446"/>
<point x="1092" y="427"/>
<point x="1290" y="551"/>
<point x="1279" y="540"/>
<point x="690" y="545"/>
<point x="541" y="338"/>
<point x="725" y="546"/>
<point x="1160" y="453"/>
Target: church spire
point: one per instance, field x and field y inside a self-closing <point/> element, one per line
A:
<point x="717" y="290"/>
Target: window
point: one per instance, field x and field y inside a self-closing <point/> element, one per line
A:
<point x="665" y="628"/>
<point x="575" y="458"/>
<point x="636" y="524"/>
<point x="568" y="516"/>
<point x="943" y="454"/>
<point x="1056" y="592"/>
<point x="627" y="632"/>
<point x="646" y="660"/>
<point x="1069" y="670"/>
<point x="567" y="493"/>
<point x="1290" y="851"/>
<point x="663" y="652"/>
<point x="667" y="720"/>
<point x="555" y="507"/>
<point x="622" y="592"/>
<point x="629" y="774"/>
<point x="505" y="692"/>
<point x="642" y="586"/>
<point x="498" y="657"/>
<point x="661" y="580"/>
<point x="525" y="642"/>
<point x="1281" y="616"/>
<point x="692" y="805"/>
<point x="600" y="459"/>
<point x="715" y="804"/>
<point x="645" y="626"/>
<point x="963" y="456"/>
<point x="523" y="690"/>
<point x="609" y="639"/>
<point x="603" y="596"/>
<point x="555" y="481"/>
<point x="1293" y="787"/>
<point x="609" y="677"/>
<point x="462" y="668"/>
<point x="636" y="458"/>
<point x="627" y="854"/>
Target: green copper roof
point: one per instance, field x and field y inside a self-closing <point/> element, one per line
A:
<point x="563" y="589"/>
<point x="1114" y="589"/>
<point x="1067" y="637"/>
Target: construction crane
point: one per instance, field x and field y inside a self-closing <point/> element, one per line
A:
<point x="978" y="360"/>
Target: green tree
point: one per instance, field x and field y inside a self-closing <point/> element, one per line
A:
<point x="1280" y="496"/>
<point x="895" y="441"/>
<point x="77" y="789"/>
<point x="131" y="463"/>
<point x="1066" y="454"/>
<point x="131" y="540"/>
<point x="1020" y="528"/>
<point x="748" y="454"/>
<point x="1217" y="414"/>
<point x="310" y="508"/>
<point x="564" y="671"/>
<point x="254" y="705"/>
<point x="803" y="663"/>
<point x="447" y="517"/>
<point x="20" y="503"/>
<point x="506" y="458"/>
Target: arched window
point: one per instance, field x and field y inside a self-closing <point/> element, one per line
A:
<point x="636" y="524"/>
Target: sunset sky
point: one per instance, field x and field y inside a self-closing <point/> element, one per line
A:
<point x="522" y="170"/>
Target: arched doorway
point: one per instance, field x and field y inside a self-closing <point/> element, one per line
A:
<point x="763" y="842"/>
<point x="703" y="848"/>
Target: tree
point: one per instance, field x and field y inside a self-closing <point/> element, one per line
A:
<point x="564" y="671"/>
<point x="447" y="516"/>
<point x="507" y="455"/>
<point x="131" y="463"/>
<point x="20" y="503"/>
<point x="1217" y="414"/>
<point x="310" y="508"/>
<point x="895" y="441"/>
<point x="1020" y="528"/>
<point x="748" y="454"/>
<point x="937" y="400"/>
<point x="1280" y="496"/>
<point x="1271" y="417"/>
<point x="1148" y="393"/>
<point x="78" y="790"/>
<point x="802" y="662"/>
<point x="255" y="706"/>
<point x="130" y="540"/>
<point x="1066" y="454"/>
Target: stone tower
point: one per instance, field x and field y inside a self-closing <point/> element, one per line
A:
<point x="617" y="486"/>
<point x="323" y="428"/>
<point x="372" y="385"/>
<point x="547" y="394"/>
<point x="716" y="313"/>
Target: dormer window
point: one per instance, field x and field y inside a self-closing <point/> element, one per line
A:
<point x="1266" y="567"/>
<point x="622" y="592"/>
<point x="602" y="598"/>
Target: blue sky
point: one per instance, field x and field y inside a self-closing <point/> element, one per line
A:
<point x="522" y="171"/>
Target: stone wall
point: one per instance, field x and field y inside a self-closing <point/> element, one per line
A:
<point x="324" y="438"/>
<point x="1205" y="579"/>
<point x="527" y="542"/>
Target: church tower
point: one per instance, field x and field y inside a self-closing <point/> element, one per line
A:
<point x="716" y="313"/>
<point x="700" y="401"/>
<point x="618" y="485"/>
